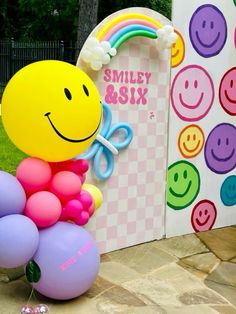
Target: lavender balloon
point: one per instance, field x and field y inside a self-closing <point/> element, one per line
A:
<point x="68" y="260"/>
<point x="19" y="238"/>
<point x="12" y="195"/>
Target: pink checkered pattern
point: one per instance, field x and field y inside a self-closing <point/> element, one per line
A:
<point x="134" y="197"/>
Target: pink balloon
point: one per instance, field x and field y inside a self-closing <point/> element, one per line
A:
<point x="82" y="177"/>
<point x="60" y="166"/>
<point x="34" y="174"/>
<point x="86" y="199"/>
<point x="44" y="208"/>
<point x="82" y="219"/>
<point x="91" y="210"/>
<point x="65" y="185"/>
<point x="73" y="208"/>
<point x="79" y="166"/>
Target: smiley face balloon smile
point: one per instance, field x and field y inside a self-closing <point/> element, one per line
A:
<point x="51" y="110"/>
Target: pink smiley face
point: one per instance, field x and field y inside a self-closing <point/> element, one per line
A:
<point x="203" y="216"/>
<point x="227" y="91"/>
<point x="192" y="93"/>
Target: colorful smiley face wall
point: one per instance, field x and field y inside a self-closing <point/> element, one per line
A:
<point x="58" y="108"/>
<point x="202" y="119"/>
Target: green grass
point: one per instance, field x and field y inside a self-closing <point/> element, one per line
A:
<point x="10" y="155"/>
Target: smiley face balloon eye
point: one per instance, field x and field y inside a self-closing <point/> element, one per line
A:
<point x="85" y="90"/>
<point x="67" y="93"/>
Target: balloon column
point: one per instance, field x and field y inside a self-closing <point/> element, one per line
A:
<point x="51" y="110"/>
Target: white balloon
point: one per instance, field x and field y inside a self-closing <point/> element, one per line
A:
<point x="173" y="37"/>
<point x="168" y="28"/>
<point x="96" y="65"/>
<point x="106" y="46"/>
<point x="86" y="55"/>
<point x="97" y="53"/>
<point x="113" y="52"/>
<point x="160" y="33"/>
<point x="92" y="42"/>
<point x="106" y="59"/>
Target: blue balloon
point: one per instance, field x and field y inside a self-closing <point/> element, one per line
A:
<point x="228" y="191"/>
<point x="12" y="195"/>
<point x="19" y="239"/>
<point x="68" y="260"/>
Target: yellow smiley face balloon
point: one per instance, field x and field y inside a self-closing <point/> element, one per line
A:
<point x="177" y="51"/>
<point x="51" y="110"/>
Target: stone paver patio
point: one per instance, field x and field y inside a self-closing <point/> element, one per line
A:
<point x="186" y="274"/>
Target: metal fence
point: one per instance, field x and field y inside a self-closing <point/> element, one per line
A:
<point x="15" y="55"/>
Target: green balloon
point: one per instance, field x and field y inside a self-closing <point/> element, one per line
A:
<point x="183" y="184"/>
<point x="132" y="34"/>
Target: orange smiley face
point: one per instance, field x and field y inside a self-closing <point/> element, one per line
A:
<point x="191" y="141"/>
<point x="177" y="51"/>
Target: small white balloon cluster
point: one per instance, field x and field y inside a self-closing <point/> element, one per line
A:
<point x="166" y="37"/>
<point x="96" y="53"/>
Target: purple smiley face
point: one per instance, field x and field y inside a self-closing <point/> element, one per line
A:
<point x="208" y="30"/>
<point x="220" y="148"/>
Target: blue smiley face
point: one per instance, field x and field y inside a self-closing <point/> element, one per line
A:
<point x="228" y="191"/>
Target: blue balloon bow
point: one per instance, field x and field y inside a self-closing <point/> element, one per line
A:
<point x="103" y="145"/>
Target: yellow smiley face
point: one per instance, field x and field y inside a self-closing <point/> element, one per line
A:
<point x="51" y="110"/>
<point x="177" y="51"/>
<point x="191" y="141"/>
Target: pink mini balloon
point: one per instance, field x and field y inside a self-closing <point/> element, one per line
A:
<point x="34" y="174"/>
<point x="91" y="210"/>
<point x="86" y="199"/>
<point x="73" y="208"/>
<point x="82" y="219"/>
<point x="65" y="185"/>
<point x="44" y="208"/>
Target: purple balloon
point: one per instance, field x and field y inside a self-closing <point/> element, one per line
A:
<point x="208" y="30"/>
<point x="220" y="148"/>
<point x="19" y="238"/>
<point x="12" y="195"/>
<point x="68" y="259"/>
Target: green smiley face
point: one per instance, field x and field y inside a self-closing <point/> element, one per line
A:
<point x="183" y="184"/>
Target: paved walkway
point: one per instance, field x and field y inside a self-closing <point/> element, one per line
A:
<point x="186" y="274"/>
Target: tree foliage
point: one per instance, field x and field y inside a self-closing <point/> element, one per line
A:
<point x="58" y="19"/>
<point x="107" y="7"/>
<point x="49" y="19"/>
